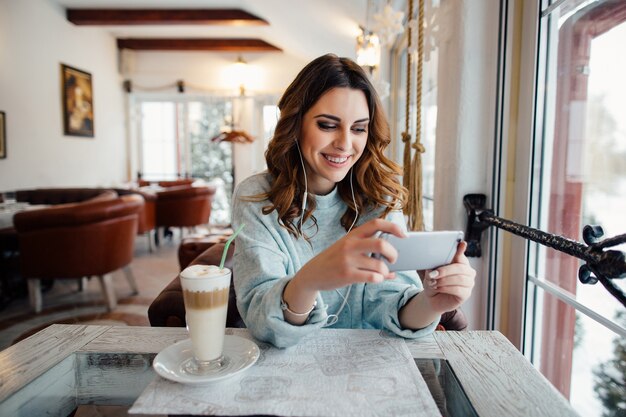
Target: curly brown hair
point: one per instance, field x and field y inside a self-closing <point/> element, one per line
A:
<point x="375" y="175"/>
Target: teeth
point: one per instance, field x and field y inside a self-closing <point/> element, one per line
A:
<point x="336" y="160"/>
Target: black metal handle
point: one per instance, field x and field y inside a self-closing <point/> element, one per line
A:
<point x="605" y="265"/>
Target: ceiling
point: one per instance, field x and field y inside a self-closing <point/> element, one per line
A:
<point x="302" y="28"/>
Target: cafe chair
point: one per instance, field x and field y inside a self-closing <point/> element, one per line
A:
<point x="168" y="308"/>
<point x="146" y="222"/>
<point x="166" y="183"/>
<point x="55" y="196"/>
<point x="184" y="206"/>
<point x="92" y="238"/>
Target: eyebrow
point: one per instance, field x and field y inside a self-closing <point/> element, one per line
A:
<point x="337" y="119"/>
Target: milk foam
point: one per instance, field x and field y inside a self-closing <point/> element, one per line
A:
<point x="204" y="278"/>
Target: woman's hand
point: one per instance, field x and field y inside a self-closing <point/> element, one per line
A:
<point x="348" y="261"/>
<point x="447" y="287"/>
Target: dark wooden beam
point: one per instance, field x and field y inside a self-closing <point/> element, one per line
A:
<point x="235" y="17"/>
<point x="197" y="44"/>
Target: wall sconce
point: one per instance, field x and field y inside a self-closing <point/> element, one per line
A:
<point x="368" y="50"/>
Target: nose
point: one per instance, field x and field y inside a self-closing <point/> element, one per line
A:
<point x="343" y="139"/>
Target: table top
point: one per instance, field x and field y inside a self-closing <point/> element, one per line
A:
<point x="111" y="365"/>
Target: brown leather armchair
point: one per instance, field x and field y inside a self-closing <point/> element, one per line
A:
<point x="184" y="206"/>
<point x="54" y="196"/>
<point x="78" y="240"/>
<point x="146" y="222"/>
<point x="167" y="183"/>
<point x="168" y="309"/>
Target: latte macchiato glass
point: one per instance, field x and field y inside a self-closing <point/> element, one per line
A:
<point x="205" y="291"/>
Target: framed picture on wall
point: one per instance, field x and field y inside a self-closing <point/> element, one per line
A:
<point x="3" y="135"/>
<point x="77" y="102"/>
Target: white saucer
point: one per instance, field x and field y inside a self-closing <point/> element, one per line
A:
<point x="240" y="354"/>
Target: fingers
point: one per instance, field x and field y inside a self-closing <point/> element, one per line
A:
<point x="370" y="264"/>
<point x="452" y="269"/>
<point x="459" y="256"/>
<point x="460" y="293"/>
<point x="370" y="228"/>
<point x="371" y="276"/>
<point x="450" y="281"/>
<point x="378" y="246"/>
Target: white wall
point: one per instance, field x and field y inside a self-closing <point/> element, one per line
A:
<point x="465" y="125"/>
<point x="212" y="73"/>
<point x="35" y="39"/>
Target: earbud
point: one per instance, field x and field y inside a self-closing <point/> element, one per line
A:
<point x="332" y="318"/>
<point x="356" y="209"/>
<point x="306" y="187"/>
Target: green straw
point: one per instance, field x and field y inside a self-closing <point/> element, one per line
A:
<point x="230" y="239"/>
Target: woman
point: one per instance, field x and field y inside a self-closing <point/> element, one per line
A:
<point x="303" y="259"/>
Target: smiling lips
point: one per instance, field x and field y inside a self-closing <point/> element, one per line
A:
<point x="336" y="160"/>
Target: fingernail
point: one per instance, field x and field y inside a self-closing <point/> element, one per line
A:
<point x="433" y="274"/>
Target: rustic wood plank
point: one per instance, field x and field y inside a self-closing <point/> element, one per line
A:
<point x="497" y="378"/>
<point x="425" y="348"/>
<point x="121" y="339"/>
<point x="31" y="357"/>
<point x="197" y="44"/>
<point x="52" y="394"/>
<point x="233" y="17"/>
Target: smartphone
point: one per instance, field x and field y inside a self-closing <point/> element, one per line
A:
<point x="422" y="250"/>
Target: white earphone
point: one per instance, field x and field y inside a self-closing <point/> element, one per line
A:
<point x="332" y="318"/>
<point x="306" y="193"/>
<point x="306" y="187"/>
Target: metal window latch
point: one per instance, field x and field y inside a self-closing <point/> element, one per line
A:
<point x="605" y="265"/>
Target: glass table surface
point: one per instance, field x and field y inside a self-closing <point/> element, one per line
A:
<point x="64" y="367"/>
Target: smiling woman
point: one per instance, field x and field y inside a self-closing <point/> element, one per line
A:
<point x="327" y="168"/>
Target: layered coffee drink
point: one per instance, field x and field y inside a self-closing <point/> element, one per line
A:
<point x="205" y="291"/>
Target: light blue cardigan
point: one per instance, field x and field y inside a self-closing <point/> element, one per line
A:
<point x="267" y="257"/>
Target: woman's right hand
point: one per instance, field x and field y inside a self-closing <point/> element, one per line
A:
<point x="348" y="261"/>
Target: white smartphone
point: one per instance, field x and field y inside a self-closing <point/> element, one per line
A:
<point x="422" y="250"/>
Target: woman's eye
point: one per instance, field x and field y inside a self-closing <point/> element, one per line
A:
<point x="326" y="125"/>
<point x="359" y="129"/>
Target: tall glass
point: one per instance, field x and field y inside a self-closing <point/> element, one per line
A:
<point x="205" y="291"/>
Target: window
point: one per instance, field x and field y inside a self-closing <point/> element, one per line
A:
<point x="428" y="106"/>
<point x="176" y="141"/>
<point x="573" y="331"/>
<point x="159" y="143"/>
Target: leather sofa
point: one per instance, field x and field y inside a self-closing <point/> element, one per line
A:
<point x="168" y="308"/>
<point x="93" y="237"/>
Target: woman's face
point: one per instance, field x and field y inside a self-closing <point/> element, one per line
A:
<point x="334" y="134"/>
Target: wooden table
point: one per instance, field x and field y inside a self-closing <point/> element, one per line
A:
<point x="64" y="366"/>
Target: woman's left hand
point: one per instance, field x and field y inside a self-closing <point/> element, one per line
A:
<point x="447" y="287"/>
